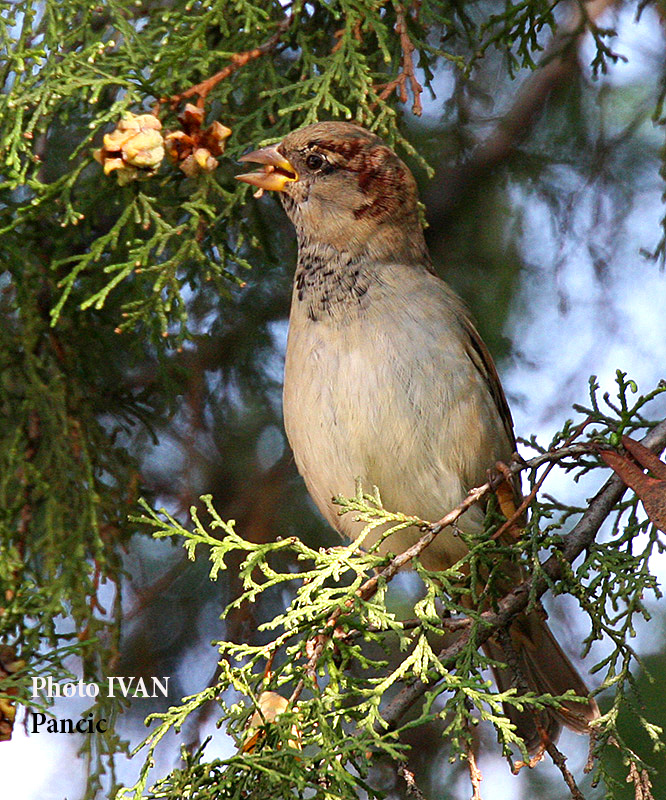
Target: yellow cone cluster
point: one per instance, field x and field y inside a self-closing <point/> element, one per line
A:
<point x="134" y="150"/>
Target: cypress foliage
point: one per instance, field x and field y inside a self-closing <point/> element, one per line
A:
<point x="109" y="274"/>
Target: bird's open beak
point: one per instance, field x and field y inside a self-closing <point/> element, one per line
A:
<point x="277" y="172"/>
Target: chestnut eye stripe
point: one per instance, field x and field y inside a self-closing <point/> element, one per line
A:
<point x="366" y="155"/>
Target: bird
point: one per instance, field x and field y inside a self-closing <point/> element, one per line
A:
<point x="387" y="381"/>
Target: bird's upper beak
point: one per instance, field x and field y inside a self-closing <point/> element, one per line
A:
<point x="277" y="172"/>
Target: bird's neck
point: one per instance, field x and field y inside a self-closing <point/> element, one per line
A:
<point x="333" y="283"/>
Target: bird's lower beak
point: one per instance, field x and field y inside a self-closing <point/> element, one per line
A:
<point x="277" y="172"/>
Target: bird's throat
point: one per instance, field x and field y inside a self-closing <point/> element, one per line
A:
<point x="329" y="284"/>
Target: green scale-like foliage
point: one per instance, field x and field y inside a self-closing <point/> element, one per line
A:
<point x="339" y="699"/>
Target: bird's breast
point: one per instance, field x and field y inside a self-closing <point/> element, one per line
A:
<point x="388" y="397"/>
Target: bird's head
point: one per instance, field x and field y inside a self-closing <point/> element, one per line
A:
<point x="341" y="186"/>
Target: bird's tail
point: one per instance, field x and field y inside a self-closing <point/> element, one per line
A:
<point x="536" y="660"/>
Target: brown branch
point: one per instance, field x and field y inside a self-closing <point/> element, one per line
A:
<point x="238" y="60"/>
<point x="557" y="67"/>
<point x="560" y="761"/>
<point x="475" y="776"/>
<point x="407" y="73"/>
<point x="578" y="540"/>
<point x="339" y="35"/>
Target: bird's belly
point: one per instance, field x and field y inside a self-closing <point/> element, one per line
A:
<point x="358" y="412"/>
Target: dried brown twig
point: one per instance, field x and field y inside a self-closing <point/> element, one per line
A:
<point x="475" y="775"/>
<point x="408" y="777"/>
<point x="407" y="74"/>
<point x="560" y="761"/>
<point x="238" y="60"/>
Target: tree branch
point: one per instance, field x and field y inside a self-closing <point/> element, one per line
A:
<point x="475" y="776"/>
<point x="558" y="66"/>
<point x="514" y="602"/>
<point x="560" y="761"/>
<point x="238" y="60"/>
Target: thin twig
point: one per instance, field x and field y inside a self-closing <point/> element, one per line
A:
<point x="238" y="60"/>
<point x="450" y="624"/>
<point x="511" y="522"/>
<point x="408" y="777"/>
<point x="339" y="35"/>
<point x="475" y="776"/>
<point x="517" y="514"/>
<point x="317" y="644"/>
<point x="407" y="72"/>
<point x="560" y="761"/>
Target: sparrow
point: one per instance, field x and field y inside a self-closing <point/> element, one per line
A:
<point x="388" y="382"/>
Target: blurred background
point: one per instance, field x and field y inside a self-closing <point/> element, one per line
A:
<point x="548" y="232"/>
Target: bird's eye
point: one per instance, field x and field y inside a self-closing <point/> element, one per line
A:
<point x="314" y="161"/>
